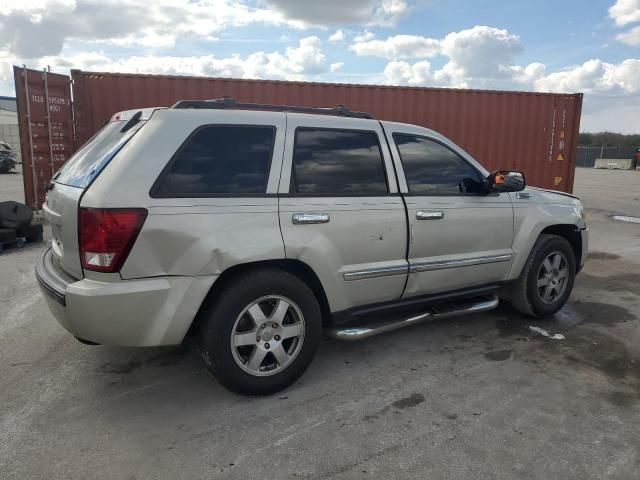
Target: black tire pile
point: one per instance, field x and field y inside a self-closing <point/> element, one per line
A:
<point x="16" y="222"/>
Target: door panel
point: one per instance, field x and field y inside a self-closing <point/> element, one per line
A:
<point x="359" y="254"/>
<point x="355" y="243"/>
<point x="459" y="238"/>
<point x="469" y="245"/>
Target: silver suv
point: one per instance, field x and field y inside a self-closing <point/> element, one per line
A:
<point x="256" y="227"/>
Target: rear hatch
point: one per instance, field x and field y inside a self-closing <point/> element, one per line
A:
<point x="66" y="189"/>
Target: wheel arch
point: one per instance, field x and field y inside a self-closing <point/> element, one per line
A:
<point x="295" y="267"/>
<point x="571" y="233"/>
<point x="568" y="231"/>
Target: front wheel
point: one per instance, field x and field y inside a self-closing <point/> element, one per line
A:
<point x="262" y="333"/>
<point x="547" y="278"/>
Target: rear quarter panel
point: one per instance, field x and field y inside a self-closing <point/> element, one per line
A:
<point x="190" y="236"/>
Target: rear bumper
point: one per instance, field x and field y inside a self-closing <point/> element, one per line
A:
<point x="143" y="312"/>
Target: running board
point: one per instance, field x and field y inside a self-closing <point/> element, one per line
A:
<point x="370" y="328"/>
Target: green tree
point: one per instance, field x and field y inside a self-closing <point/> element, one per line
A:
<point x="609" y="139"/>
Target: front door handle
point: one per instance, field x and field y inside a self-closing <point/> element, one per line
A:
<point x="310" y="218"/>
<point x="429" y="215"/>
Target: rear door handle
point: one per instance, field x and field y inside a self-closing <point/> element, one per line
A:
<point x="429" y="215"/>
<point x="310" y="218"/>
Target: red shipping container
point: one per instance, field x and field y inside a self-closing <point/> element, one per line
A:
<point x="533" y="132"/>
<point x="45" y="121"/>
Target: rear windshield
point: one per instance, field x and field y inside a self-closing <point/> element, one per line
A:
<point x="93" y="156"/>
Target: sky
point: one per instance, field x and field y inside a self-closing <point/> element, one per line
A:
<point x="588" y="46"/>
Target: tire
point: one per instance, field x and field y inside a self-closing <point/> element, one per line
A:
<point x="233" y="317"/>
<point x="529" y="294"/>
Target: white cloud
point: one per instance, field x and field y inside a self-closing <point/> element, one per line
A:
<point x="525" y="76"/>
<point x="624" y="12"/>
<point x="307" y="57"/>
<point x="336" y="66"/>
<point x="403" y="73"/>
<point x="364" y="37"/>
<point x="295" y="63"/>
<point x="632" y="37"/>
<point x="338" y="36"/>
<point x="614" y="114"/>
<point x="398" y="46"/>
<point x="342" y="12"/>
<point x="595" y="76"/>
<point x="481" y="56"/>
<point x="36" y="29"/>
<point x="478" y="54"/>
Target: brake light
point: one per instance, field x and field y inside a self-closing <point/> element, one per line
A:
<point x="107" y="235"/>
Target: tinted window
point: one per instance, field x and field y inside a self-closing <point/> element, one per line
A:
<point x="432" y="169"/>
<point x="221" y="160"/>
<point x="338" y="162"/>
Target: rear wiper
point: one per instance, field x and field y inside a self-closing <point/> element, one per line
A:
<point x="132" y="121"/>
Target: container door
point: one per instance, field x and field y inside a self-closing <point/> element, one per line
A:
<point x="459" y="237"/>
<point x="46" y="128"/>
<point x="340" y="212"/>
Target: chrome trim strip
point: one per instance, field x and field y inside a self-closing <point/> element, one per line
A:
<point x="466" y="262"/>
<point x="375" y="273"/>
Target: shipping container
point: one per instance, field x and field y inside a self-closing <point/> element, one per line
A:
<point x="45" y="122"/>
<point x="533" y="132"/>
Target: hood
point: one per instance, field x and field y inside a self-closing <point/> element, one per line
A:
<point x="544" y="195"/>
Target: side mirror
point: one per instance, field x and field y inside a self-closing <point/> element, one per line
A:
<point x="506" y="181"/>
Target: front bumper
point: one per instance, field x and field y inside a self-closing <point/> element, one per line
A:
<point x="142" y="312"/>
<point x="584" y="234"/>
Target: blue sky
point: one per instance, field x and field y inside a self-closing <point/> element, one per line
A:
<point x="561" y="46"/>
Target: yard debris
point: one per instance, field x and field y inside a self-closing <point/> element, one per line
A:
<point x="544" y="333"/>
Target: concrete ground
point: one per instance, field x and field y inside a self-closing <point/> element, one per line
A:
<point x="11" y="187"/>
<point x="474" y="397"/>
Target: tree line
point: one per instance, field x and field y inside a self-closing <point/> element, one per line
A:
<point x="608" y="139"/>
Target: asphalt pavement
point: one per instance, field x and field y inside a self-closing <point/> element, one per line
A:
<point x="478" y="397"/>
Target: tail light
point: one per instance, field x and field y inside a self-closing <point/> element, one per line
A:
<point x="107" y="235"/>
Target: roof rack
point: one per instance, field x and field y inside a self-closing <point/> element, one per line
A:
<point x="230" y="103"/>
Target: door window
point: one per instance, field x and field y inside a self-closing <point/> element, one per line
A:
<point x="220" y="160"/>
<point x="337" y="162"/>
<point x="433" y="169"/>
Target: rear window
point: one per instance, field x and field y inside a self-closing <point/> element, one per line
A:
<point x="93" y="156"/>
<point x="220" y="160"/>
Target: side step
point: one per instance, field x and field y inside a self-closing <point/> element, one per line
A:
<point x="368" y="328"/>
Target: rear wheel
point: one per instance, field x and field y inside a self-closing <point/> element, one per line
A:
<point x="547" y="278"/>
<point x="262" y="333"/>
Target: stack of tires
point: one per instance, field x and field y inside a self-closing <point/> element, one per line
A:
<point x="16" y="222"/>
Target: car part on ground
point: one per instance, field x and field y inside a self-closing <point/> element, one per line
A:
<point x="15" y="215"/>
<point x="16" y="225"/>
<point x="7" y="235"/>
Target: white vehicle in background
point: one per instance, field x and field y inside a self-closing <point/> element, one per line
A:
<point x="256" y="226"/>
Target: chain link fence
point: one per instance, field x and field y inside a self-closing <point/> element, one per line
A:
<point x="586" y="156"/>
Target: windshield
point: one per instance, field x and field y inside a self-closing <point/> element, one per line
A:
<point x="94" y="155"/>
